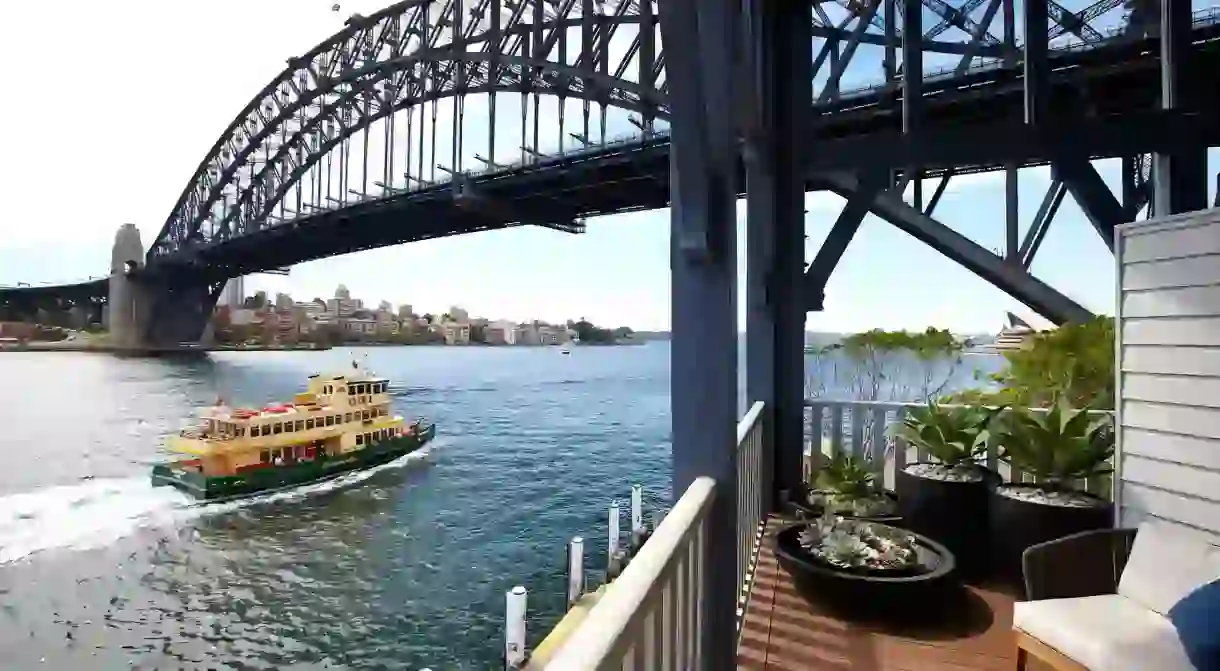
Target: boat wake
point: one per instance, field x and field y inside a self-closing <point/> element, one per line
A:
<point x="97" y="513"/>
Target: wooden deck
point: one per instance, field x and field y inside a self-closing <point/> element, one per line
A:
<point x="784" y="631"/>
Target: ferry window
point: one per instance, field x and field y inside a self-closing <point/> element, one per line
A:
<point x="256" y="430"/>
<point x="353" y="389"/>
<point x="330" y="420"/>
<point x="348" y="417"/>
<point x="359" y="439"/>
<point x="309" y="424"/>
<point x="265" y="456"/>
<point x="300" y="425"/>
<point x="279" y="428"/>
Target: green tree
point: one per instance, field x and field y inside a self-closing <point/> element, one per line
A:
<point x="872" y="359"/>
<point x="589" y="333"/>
<point x="623" y="332"/>
<point x="1074" y="361"/>
<point x="429" y="318"/>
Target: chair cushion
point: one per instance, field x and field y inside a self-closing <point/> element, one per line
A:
<point x="1165" y="565"/>
<point x="1197" y="619"/>
<point x="1104" y="633"/>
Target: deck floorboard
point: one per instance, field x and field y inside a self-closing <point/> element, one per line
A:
<point x="782" y="630"/>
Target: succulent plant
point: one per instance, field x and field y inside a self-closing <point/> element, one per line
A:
<point x="954" y="436"/>
<point x="1059" y="445"/>
<point x="847" y="475"/>
<point x="853" y="544"/>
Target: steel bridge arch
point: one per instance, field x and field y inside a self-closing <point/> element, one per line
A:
<point x="426" y="74"/>
<point x="251" y="208"/>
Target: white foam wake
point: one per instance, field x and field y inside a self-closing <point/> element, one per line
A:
<point x="99" y="512"/>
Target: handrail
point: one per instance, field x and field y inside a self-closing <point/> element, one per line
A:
<point x="612" y="621"/>
<point x="747" y="422"/>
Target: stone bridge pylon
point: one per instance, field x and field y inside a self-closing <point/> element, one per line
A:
<point x="147" y="311"/>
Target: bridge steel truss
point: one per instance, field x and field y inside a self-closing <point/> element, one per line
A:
<point x="302" y="145"/>
<point x="1165" y="171"/>
<point x="303" y="142"/>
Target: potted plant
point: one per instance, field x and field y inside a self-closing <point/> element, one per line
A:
<point x="862" y="565"/>
<point x="846" y="486"/>
<point x="946" y="499"/>
<point x="1059" y="447"/>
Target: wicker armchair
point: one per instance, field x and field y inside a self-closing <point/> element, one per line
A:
<point x="1100" y="599"/>
<point x="1083" y="564"/>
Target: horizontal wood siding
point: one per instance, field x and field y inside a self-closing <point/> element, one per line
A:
<point x="1169" y="372"/>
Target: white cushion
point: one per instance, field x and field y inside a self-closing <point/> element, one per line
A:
<point x="1104" y="633"/>
<point x="1166" y="564"/>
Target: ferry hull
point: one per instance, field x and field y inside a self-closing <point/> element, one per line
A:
<point x="281" y="477"/>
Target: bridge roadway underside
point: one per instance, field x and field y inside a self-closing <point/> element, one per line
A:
<point x="1104" y="104"/>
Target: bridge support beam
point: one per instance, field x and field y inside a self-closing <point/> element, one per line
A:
<point x="778" y="49"/>
<point x="703" y="260"/>
<point x="147" y="313"/>
<point x="1008" y="277"/>
<point x="467" y="197"/>
<point x="1179" y="176"/>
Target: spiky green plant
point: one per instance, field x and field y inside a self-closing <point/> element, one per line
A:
<point x="1057" y="446"/>
<point x="952" y="435"/>
<point x="846" y="475"/>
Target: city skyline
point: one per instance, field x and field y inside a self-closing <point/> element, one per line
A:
<point x="616" y="273"/>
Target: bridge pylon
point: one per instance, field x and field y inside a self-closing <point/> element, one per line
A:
<point x="152" y="312"/>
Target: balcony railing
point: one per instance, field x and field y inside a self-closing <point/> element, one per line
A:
<point x="652" y="616"/>
<point x="860" y="428"/>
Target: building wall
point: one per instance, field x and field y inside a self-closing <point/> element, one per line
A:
<point x="1169" y="371"/>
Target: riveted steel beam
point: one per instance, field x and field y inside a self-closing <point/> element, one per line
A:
<point x="1008" y="277"/>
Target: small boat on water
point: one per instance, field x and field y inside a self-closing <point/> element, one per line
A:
<point x="340" y="424"/>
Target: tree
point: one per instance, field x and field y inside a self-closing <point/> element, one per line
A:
<point x="1075" y="361"/>
<point x="623" y="332"/>
<point x="868" y="365"/>
<point x="428" y="317"/>
<point x="588" y="333"/>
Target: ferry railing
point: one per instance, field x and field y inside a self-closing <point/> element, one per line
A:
<point x="653" y="615"/>
<point x="862" y="429"/>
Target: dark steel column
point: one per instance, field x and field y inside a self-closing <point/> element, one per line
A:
<point x="700" y="60"/>
<point x="1036" y="45"/>
<point x="779" y="51"/>
<point x="1179" y="177"/>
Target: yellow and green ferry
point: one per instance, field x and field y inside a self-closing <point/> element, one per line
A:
<point x="340" y="424"/>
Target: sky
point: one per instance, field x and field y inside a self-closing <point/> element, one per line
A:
<point x="138" y="91"/>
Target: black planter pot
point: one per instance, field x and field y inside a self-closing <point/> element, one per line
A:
<point x="951" y="513"/>
<point x="866" y="593"/>
<point x="1016" y="524"/>
<point x="799" y="506"/>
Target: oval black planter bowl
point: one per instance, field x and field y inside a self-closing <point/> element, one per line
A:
<point x="868" y="592"/>
<point x="800" y="506"/>
<point x="1016" y="525"/>
<point x="953" y="514"/>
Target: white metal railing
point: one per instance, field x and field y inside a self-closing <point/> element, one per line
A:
<point x="649" y="618"/>
<point x="753" y="487"/>
<point x="861" y="429"/>
<point x="652" y="616"/>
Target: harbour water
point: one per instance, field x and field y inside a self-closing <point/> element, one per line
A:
<point x="401" y="568"/>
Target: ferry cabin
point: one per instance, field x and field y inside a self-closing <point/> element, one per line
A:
<point x="336" y="415"/>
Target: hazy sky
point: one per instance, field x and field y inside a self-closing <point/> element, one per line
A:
<point x="133" y="93"/>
